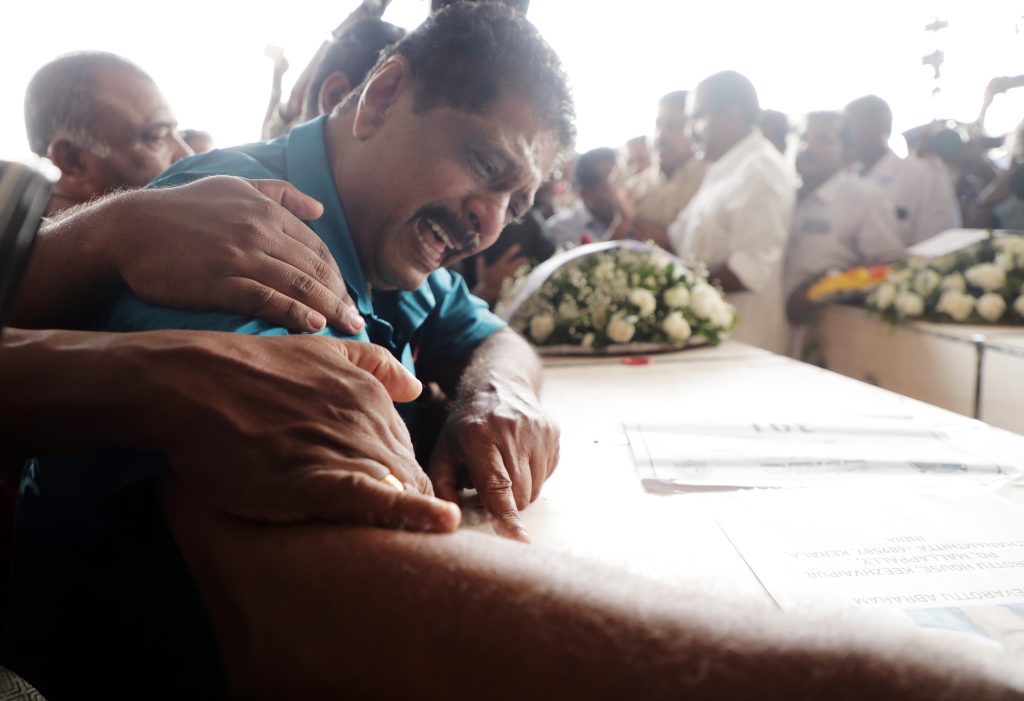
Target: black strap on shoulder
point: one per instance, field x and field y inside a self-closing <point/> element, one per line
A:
<point x="23" y="197"/>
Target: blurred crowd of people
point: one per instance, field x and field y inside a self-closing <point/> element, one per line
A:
<point x="155" y="532"/>
<point x="714" y="183"/>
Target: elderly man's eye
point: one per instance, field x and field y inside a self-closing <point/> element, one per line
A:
<point x="156" y="135"/>
<point x="485" y="166"/>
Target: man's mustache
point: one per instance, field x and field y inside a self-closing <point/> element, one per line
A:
<point x="460" y="234"/>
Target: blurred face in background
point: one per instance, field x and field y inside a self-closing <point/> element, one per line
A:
<point x="671" y="138"/>
<point x="865" y="132"/>
<point x="136" y="130"/>
<point x="604" y="199"/>
<point x="821" y="149"/>
<point x="711" y="130"/>
<point x="638" y="155"/>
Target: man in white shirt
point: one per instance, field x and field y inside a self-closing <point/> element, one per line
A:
<point x="602" y="210"/>
<point x="840" y="220"/>
<point x="738" y="222"/>
<point x="921" y="188"/>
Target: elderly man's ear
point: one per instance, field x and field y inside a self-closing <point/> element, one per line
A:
<point x="333" y="90"/>
<point x="78" y="165"/>
<point x="68" y="156"/>
<point x="380" y="93"/>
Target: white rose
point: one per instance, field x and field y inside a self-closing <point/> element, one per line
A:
<point x="991" y="306"/>
<point x="1010" y="244"/>
<point x="603" y="270"/>
<point x="954" y="281"/>
<point x="677" y="297"/>
<point x="676" y="327"/>
<point x="568" y="310"/>
<point x="704" y="299"/>
<point x="541" y="327"/>
<point x="644" y="300"/>
<point x="899" y="276"/>
<point x="588" y="340"/>
<point x="884" y="295"/>
<point x="926" y="281"/>
<point x="620" y="329"/>
<point x="909" y="304"/>
<point x="956" y="303"/>
<point x="987" y="276"/>
<point x="1005" y="261"/>
<point x="722" y="315"/>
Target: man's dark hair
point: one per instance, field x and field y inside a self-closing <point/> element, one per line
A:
<point x="774" y="121"/>
<point x="838" y="119"/>
<point x="353" y="53"/>
<point x="61" y="97"/>
<point x="824" y="116"/>
<point x="588" y="167"/>
<point x="730" y="89"/>
<point x="676" y="98"/>
<point x="871" y="107"/>
<point x="518" y="5"/>
<point x="468" y="54"/>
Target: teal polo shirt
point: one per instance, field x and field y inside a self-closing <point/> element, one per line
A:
<point x="441" y="319"/>
<point x="96" y="579"/>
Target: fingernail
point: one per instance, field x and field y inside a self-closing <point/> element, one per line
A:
<point x="454" y="514"/>
<point x="357" y="320"/>
<point x="514" y="531"/>
<point x="316" y="320"/>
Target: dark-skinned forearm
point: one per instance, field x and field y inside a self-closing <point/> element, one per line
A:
<point x="70" y="390"/>
<point x="71" y="272"/>
<point x="322" y="611"/>
<point x="503" y="358"/>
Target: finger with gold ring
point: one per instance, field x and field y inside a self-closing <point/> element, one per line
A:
<point x="392" y="481"/>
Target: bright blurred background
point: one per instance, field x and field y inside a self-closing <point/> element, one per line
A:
<point x="208" y="57"/>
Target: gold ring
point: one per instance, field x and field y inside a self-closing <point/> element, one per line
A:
<point x="392" y="481"/>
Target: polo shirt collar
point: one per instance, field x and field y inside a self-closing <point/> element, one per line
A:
<point x="308" y="169"/>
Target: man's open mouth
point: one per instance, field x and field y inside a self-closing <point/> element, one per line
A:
<point x="439" y="243"/>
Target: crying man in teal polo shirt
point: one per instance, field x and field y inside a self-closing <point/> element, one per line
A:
<point x="437" y="320"/>
<point x="444" y="144"/>
<point x="421" y="167"/>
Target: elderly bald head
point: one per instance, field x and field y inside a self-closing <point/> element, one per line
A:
<point x="867" y="129"/>
<point x="61" y="98"/>
<point x="101" y="120"/>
